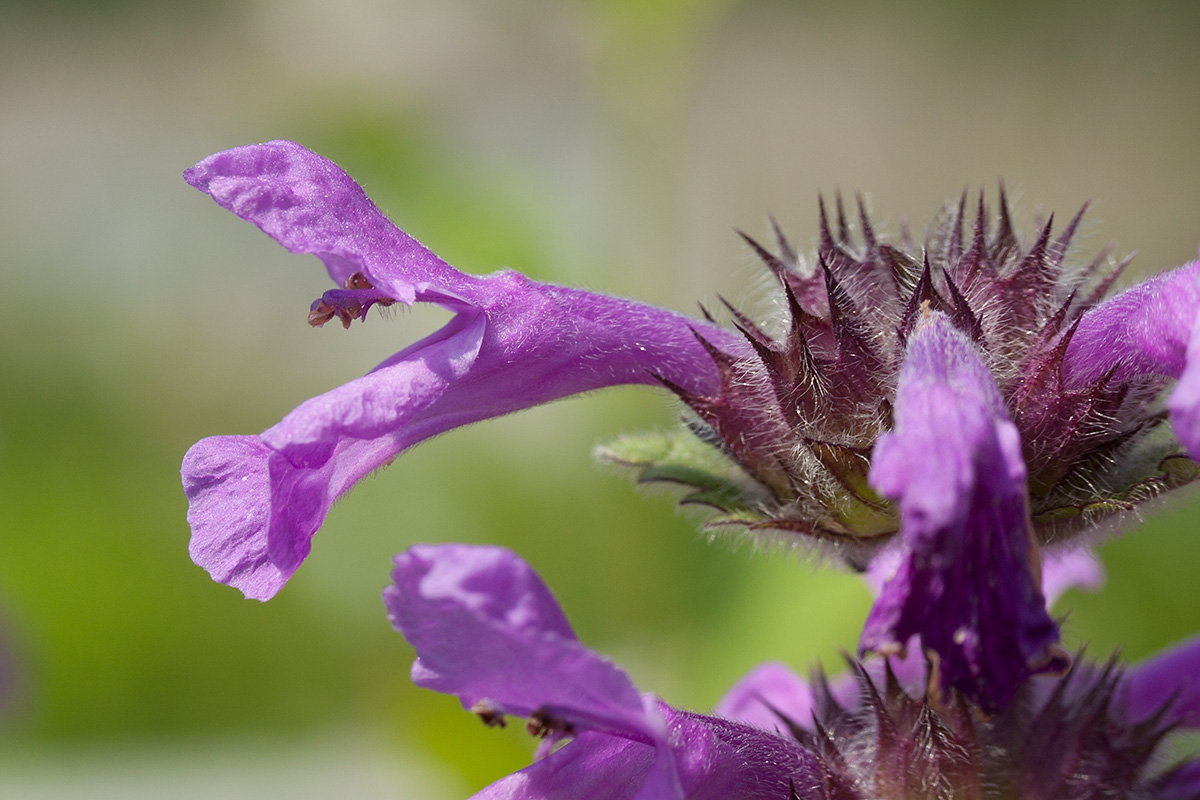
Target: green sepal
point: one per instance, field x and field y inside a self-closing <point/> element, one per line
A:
<point x="679" y="457"/>
<point x="1149" y="467"/>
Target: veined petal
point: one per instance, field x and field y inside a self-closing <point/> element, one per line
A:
<point x="968" y="582"/>
<point x="228" y="486"/>
<point x="720" y="759"/>
<point x="1170" y="678"/>
<point x="488" y="630"/>
<point x="513" y="343"/>
<point x="253" y="527"/>
<point x="309" y="205"/>
<point x="1148" y="329"/>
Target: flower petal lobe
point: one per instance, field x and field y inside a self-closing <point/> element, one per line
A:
<point x="967" y="583"/>
<point x="486" y="628"/>
<point x="1147" y="330"/>
<point x="227" y="484"/>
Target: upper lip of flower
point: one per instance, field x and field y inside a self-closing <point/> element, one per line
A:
<point x="799" y="415"/>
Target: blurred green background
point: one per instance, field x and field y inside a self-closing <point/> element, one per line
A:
<point x="611" y="144"/>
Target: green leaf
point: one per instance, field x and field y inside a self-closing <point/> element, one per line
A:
<point x="678" y="457"/>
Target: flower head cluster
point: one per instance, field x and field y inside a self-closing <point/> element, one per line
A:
<point x="943" y="416"/>
<point x="802" y="416"/>
<point x="978" y="400"/>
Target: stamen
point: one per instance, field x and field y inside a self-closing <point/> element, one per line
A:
<point x="491" y="714"/>
<point x="543" y="724"/>
<point x="349" y="303"/>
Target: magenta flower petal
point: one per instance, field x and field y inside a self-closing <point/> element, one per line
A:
<point x="228" y="485"/>
<point x="966" y="583"/>
<point x="715" y="759"/>
<point x="594" y="766"/>
<point x="1170" y="678"/>
<point x="1069" y="569"/>
<point x="1061" y="570"/>
<point x="488" y="630"/>
<point x="1184" y="400"/>
<point x="309" y="205"/>
<point x="513" y="343"/>
<point x="1148" y="329"/>
<point x="765" y="692"/>
<point x="719" y="759"/>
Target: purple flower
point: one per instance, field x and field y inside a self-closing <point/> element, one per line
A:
<point x="964" y="585"/>
<point x="978" y="403"/>
<point x="256" y="501"/>
<point x="962" y="404"/>
<point x="488" y="630"/>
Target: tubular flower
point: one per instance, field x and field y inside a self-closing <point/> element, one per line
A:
<point x="487" y="630"/>
<point x="964" y="404"/>
<point x="256" y="501"/>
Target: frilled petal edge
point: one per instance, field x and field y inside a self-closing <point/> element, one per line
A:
<point x="513" y="343"/>
<point x="226" y="481"/>
<point x="968" y="583"/>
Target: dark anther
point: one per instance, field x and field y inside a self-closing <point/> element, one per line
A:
<point x="357" y="281"/>
<point x="542" y="723"/>
<point x="347" y="304"/>
<point x="491" y="714"/>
